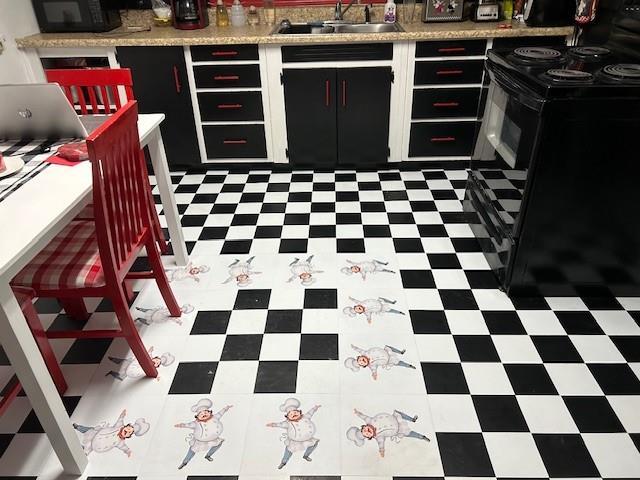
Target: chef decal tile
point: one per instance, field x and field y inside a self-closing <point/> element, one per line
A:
<point x="199" y="435"/>
<point x="190" y="274"/>
<point x="159" y="315"/>
<point x="373" y="309"/>
<point x="241" y="273"/>
<point x="304" y="271"/>
<point x="294" y="435"/>
<point x="367" y="269"/>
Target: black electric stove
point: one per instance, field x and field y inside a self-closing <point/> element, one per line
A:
<point x="553" y="188"/>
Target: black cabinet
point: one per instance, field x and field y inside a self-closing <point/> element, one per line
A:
<point x="160" y="85"/>
<point x="338" y="116"/>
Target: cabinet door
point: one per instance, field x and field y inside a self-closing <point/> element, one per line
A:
<point x="309" y="97"/>
<point x="363" y="115"/>
<point x="160" y="85"/>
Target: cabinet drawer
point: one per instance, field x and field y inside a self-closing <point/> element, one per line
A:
<point x="445" y="103"/>
<point x="448" y="72"/>
<point x="337" y="52"/>
<point x="515" y="42"/>
<point x="232" y="106"/>
<point x="222" y="53"/>
<point x="226" y="76"/>
<point x="442" y="139"/>
<point x="235" y="141"/>
<point x="453" y="48"/>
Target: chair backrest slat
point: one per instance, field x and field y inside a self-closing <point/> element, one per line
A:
<point x="120" y="190"/>
<point x="99" y="84"/>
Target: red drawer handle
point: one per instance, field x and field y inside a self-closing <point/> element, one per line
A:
<point x="234" y="142"/>
<point x="176" y="79"/>
<point x="222" y="53"/>
<point x="449" y="72"/>
<point x="327" y="93"/>
<point x="226" y="77"/>
<point x="446" y="104"/>
<point x="229" y="106"/>
<point x="451" y="50"/>
<point x="443" y="139"/>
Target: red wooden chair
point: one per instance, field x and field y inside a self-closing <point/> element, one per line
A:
<point x="93" y="258"/>
<point x="94" y="91"/>
<point x="25" y="300"/>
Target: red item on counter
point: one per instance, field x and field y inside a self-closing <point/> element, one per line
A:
<point x="3" y="167"/>
<point x="74" y="152"/>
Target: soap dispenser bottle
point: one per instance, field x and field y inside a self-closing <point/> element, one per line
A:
<point x="390" y="12"/>
<point x="237" y="15"/>
<point x="222" y="17"/>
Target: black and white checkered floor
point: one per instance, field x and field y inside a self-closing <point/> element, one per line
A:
<point x="364" y="294"/>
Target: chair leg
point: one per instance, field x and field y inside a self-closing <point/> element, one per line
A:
<point x="40" y="336"/>
<point x="162" y="280"/>
<point x="159" y="234"/>
<point x="75" y="308"/>
<point x="128" y="291"/>
<point x="10" y="393"/>
<point x="131" y="335"/>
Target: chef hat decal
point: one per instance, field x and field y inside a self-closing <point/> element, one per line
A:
<point x="140" y="427"/>
<point x="202" y="405"/>
<point x="167" y="359"/>
<point x="349" y="311"/>
<point x="352" y="364"/>
<point x="289" y="404"/>
<point x="355" y="436"/>
<point x="187" y="308"/>
<point x="346" y="270"/>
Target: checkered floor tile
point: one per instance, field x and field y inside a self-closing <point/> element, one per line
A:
<point x="362" y="301"/>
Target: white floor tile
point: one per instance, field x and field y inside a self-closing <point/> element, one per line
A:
<point x="614" y="454"/>
<point x="514" y="455"/>
<point x="437" y="348"/>
<point x="516" y="349"/>
<point x="627" y="408"/>
<point x="616" y="322"/>
<point x="596" y="349"/>
<point x="573" y="379"/>
<point x="234" y="377"/>
<point x="487" y="379"/>
<point x="453" y="413"/>
<point x="546" y="414"/>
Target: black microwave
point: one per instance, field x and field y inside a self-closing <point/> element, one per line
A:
<point x="77" y="15"/>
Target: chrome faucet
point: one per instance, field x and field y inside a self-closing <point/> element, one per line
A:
<point x="339" y="13"/>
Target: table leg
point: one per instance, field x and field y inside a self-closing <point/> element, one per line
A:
<point x="161" y="170"/>
<point x="23" y="353"/>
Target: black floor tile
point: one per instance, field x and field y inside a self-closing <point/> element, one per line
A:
<point x="629" y="347"/>
<point x="530" y="303"/>
<point x="476" y="348"/>
<point x="458" y="299"/>
<point x="417" y="279"/>
<point x="244" y="219"/>
<point x="224" y="208"/>
<point x="401" y="218"/>
<point x="347" y="196"/>
<point x="556" y="349"/>
<point x="466" y="245"/>
<point x="464" y="455"/>
<point x="377" y="231"/>
<point x="390" y="196"/>
<point x="87" y="351"/>
<point x="268" y="231"/>
<point x="213" y="233"/>
<point x="565" y="455"/>
<point x="530" y="379"/>
<point x="47" y="305"/>
<point x="432" y="231"/>
<point x="443" y="260"/>
<point x="5" y="440"/>
<point x="444" y="378"/>
<point x="211" y="322"/>
<point x="284" y="321"/>
<point x="295" y="245"/>
<point x="65" y="322"/>
<point x="482" y="279"/>
<point x="276" y="377"/>
<point x="503" y="323"/>
<point x="615" y="378"/>
<point x="273" y="208"/>
<point x="423" y="206"/>
<point x="296" y="219"/>
<point x="193" y="377"/>
<point x="299" y="197"/>
<point x="242" y="347"/>
<point x="348" y="219"/>
<point x="372" y="207"/>
<point x="193" y="220"/>
<point x="579" y="323"/>
<point x="593" y="415"/>
<point x="499" y="413"/>
<point x="408" y="245"/>
<point x="323" y="207"/>
<point x="31" y="424"/>
<point x="322" y="231"/>
<point x="320" y="298"/>
<point x="252" y="299"/>
<point x="319" y="346"/>
<point x="429" y="321"/>
<point x="350" y="245"/>
<point x="236" y="246"/>
<point x="369" y="186"/>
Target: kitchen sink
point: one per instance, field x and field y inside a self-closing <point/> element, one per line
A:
<point x="324" y="28"/>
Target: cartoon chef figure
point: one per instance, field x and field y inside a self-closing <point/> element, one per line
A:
<point x="370" y="307"/>
<point x="207" y="429"/>
<point x="366" y="267"/>
<point x="241" y="272"/>
<point x="300" y="430"/>
<point x="161" y="314"/>
<point x="129" y="367"/>
<point x="303" y="271"/>
<point x="190" y="272"/>
<point x="104" y="437"/>
<point x="383" y="426"/>
<point x="376" y="357"/>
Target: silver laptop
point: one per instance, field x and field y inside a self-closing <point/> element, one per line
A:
<point x="41" y="111"/>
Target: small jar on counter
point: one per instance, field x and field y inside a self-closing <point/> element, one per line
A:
<point x="253" y="18"/>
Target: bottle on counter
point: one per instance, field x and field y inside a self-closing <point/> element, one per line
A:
<point x="253" y="18"/>
<point x="390" y="12"/>
<point x="237" y="15"/>
<point x="269" y="11"/>
<point x="507" y="9"/>
<point x="222" y="17"/>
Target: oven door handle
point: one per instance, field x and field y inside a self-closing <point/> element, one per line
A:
<point x="525" y="96"/>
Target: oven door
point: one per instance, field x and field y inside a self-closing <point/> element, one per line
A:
<point x="75" y="15"/>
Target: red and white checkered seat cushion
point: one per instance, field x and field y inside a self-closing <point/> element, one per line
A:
<point x="70" y="261"/>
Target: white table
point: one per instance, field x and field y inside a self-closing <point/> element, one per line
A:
<point x="30" y="217"/>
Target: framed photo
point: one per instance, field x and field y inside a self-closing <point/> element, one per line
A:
<point x="442" y="10"/>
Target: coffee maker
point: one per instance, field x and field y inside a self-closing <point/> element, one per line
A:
<point x="189" y="14"/>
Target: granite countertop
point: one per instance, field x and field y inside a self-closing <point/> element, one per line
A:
<point x="167" y="36"/>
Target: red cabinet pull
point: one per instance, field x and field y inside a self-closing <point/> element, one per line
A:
<point x="451" y="50"/>
<point x="224" y="53"/>
<point x="229" y="106"/>
<point x="234" y="142"/>
<point x="446" y="104"/>
<point x="176" y="79"/>
<point x="344" y="93"/>
<point x="226" y="77"/>
<point x="327" y="93"/>
<point x="449" y="72"/>
<point x="443" y="139"/>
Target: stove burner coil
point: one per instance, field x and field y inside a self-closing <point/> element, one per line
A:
<point x="569" y="75"/>
<point x="590" y="52"/>
<point x="623" y="71"/>
<point x="538" y="53"/>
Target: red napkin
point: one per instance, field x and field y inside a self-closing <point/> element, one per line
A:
<point x="57" y="160"/>
<point x="70" y="154"/>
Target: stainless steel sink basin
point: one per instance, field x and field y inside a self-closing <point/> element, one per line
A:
<point x="324" y="28"/>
